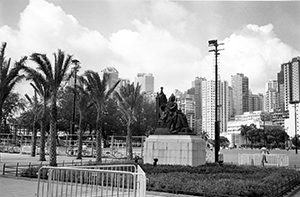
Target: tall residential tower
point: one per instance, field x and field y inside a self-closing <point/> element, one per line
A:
<point x="146" y="81"/>
<point x="240" y="93"/>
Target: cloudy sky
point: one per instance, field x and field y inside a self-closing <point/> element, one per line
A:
<point x="165" y="38"/>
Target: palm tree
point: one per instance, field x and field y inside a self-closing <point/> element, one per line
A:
<point x="244" y="131"/>
<point x="129" y="101"/>
<point x="36" y="108"/>
<point x="51" y="79"/>
<point x="83" y="105"/>
<point x="41" y="87"/>
<point x="9" y="77"/>
<point x="99" y="93"/>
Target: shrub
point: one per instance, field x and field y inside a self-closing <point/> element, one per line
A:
<point x="31" y="172"/>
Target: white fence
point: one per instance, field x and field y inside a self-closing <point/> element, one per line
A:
<point x="91" y="181"/>
<point x="256" y="159"/>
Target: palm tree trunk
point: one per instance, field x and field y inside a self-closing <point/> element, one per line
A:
<point x="98" y="140"/>
<point x="1" y="106"/>
<point x="43" y="135"/>
<point x="53" y="134"/>
<point x="129" y="141"/>
<point x="33" y="139"/>
<point x="80" y="132"/>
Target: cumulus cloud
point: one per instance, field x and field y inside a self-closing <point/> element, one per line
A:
<point x="153" y="50"/>
<point x="256" y="52"/>
<point x="150" y="47"/>
<point x="45" y="28"/>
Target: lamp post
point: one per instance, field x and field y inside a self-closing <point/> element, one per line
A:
<point x="296" y="138"/>
<point x="214" y="43"/>
<point x="75" y="70"/>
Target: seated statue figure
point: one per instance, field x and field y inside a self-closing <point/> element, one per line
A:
<point x="175" y="119"/>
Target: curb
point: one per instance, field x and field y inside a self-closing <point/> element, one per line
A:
<point x="293" y="192"/>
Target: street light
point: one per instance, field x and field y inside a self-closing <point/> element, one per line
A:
<point x="214" y="43"/>
<point x="75" y="70"/>
<point x="296" y="138"/>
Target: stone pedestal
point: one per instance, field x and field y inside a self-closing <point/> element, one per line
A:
<point x="175" y="150"/>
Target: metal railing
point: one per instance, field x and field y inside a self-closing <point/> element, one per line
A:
<point x="256" y="159"/>
<point x="79" y="181"/>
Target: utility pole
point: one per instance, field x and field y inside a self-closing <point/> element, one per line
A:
<point x="75" y="70"/>
<point x="214" y="43"/>
<point x="296" y="137"/>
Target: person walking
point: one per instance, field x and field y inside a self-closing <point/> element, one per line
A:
<point x="264" y="151"/>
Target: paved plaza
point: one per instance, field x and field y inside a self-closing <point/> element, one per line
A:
<point x="24" y="187"/>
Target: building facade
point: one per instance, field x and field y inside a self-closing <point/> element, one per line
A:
<point x="256" y="102"/>
<point x="272" y="96"/>
<point x="113" y="76"/>
<point x="240" y="92"/>
<point x="208" y="106"/>
<point x="146" y="80"/>
<point x="197" y="86"/>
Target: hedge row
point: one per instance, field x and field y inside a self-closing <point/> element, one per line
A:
<point x="226" y="180"/>
<point x="214" y="180"/>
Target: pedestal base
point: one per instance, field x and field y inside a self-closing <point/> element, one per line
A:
<point x="175" y="150"/>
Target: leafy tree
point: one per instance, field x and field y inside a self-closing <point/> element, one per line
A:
<point x="51" y="78"/>
<point x="224" y="142"/>
<point x="112" y="122"/>
<point x="253" y="134"/>
<point x="275" y="136"/>
<point x="129" y="100"/>
<point x="65" y="108"/>
<point x="146" y="115"/>
<point x="99" y="94"/>
<point x="12" y="105"/>
<point x="9" y="77"/>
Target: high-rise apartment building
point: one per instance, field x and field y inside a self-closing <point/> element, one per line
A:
<point x="230" y="104"/>
<point x="197" y="86"/>
<point x="256" y="102"/>
<point x="146" y="80"/>
<point x="291" y="81"/>
<point x="240" y="92"/>
<point x="113" y="75"/>
<point x="280" y="80"/>
<point x="186" y="104"/>
<point x="272" y="96"/>
<point x="208" y="106"/>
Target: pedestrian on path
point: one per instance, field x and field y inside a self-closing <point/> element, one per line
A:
<point x="264" y="151"/>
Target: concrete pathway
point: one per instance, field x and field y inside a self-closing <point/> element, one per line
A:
<point x="23" y="187"/>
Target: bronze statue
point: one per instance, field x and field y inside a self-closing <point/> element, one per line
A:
<point x="169" y="116"/>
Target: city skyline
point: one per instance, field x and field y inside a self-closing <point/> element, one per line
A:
<point x="166" y="38"/>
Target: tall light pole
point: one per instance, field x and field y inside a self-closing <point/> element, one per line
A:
<point x="214" y="43"/>
<point x="296" y="138"/>
<point x="75" y="70"/>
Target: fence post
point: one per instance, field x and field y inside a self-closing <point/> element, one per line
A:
<point x="29" y="164"/>
<point x="17" y="169"/>
<point x="63" y="163"/>
<point x="72" y="162"/>
<point x="81" y="161"/>
<point x="3" y="171"/>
